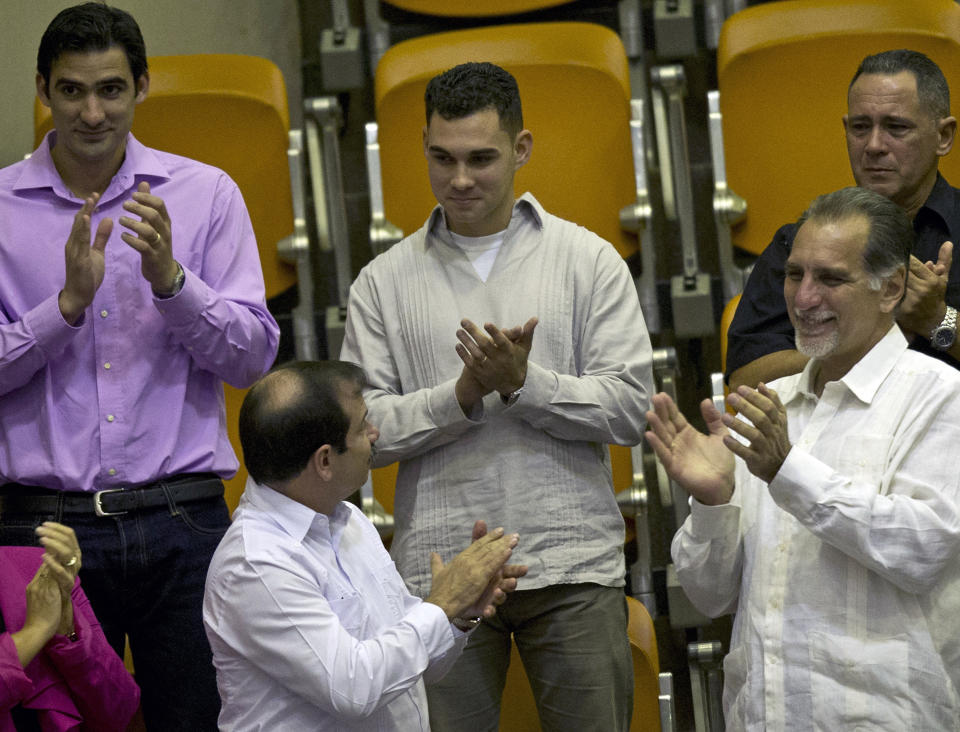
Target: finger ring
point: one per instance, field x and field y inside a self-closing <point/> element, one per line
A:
<point x="482" y="359"/>
<point x="72" y="561"/>
<point x="156" y="239"/>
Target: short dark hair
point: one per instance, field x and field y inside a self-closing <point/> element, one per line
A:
<point x="292" y="412"/>
<point x="891" y="236"/>
<point x="474" y="87"/>
<point x="92" y="27"/>
<point x="932" y="89"/>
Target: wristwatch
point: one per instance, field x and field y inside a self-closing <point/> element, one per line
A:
<point x="178" y="280"/>
<point x="510" y="398"/>
<point x="943" y="336"/>
<point x="466" y="624"/>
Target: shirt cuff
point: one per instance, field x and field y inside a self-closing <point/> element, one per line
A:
<point x="182" y="308"/>
<point x="713" y="522"/>
<point x="435" y="630"/>
<point x="800" y="483"/>
<point x="47" y="325"/>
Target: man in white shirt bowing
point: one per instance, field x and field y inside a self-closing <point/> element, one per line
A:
<point x="827" y="517"/>
<point x="310" y="624"/>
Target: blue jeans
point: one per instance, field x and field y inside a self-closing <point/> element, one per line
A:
<point x="144" y="574"/>
<point x="575" y="650"/>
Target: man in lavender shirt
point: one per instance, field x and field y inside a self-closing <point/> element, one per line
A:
<point x="130" y="287"/>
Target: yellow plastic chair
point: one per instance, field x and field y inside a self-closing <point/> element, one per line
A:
<point x="229" y="111"/>
<point x="783" y="70"/>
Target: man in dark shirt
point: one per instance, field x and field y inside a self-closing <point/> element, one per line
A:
<point x="898" y="126"/>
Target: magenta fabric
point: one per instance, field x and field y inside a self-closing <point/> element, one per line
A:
<point x="74" y="685"/>
<point x="132" y="393"/>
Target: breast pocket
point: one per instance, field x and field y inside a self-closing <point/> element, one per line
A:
<point x="862" y="458"/>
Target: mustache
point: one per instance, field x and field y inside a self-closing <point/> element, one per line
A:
<point x="813" y="318"/>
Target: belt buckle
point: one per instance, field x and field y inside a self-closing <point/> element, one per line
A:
<point x="98" y="507"/>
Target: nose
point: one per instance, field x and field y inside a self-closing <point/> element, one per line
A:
<point x="462" y="178"/>
<point x="875" y="141"/>
<point x="92" y="111"/>
<point x="373" y="434"/>
<point x="807" y="295"/>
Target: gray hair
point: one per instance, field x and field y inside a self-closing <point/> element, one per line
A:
<point x="932" y="89"/>
<point x="891" y="236"/>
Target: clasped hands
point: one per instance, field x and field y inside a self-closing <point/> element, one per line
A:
<point x="924" y="306"/>
<point x="49" y="595"/>
<point x="703" y="464"/>
<point x="494" y="359"/>
<point x="150" y="235"/>
<point x="476" y="581"/>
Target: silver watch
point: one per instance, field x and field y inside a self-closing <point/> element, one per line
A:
<point x="943" y="336"/>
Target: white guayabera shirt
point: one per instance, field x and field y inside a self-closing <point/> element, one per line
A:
<point x="843" y="571"/>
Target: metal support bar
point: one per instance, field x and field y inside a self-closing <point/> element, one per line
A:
<point x="637" y="218"/>
<point x="728" y="207"/>
<point x="690" y="292"/>
<point x="706" y="678"/>
<point x="668" y="711"/>
<point x="378" y="33"/>
<point x="383" y="234"/>
<point x="322" y="123"/>
<point x="296" y="249"/>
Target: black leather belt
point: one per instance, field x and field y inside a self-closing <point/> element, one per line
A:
<point x="17" y="498"/>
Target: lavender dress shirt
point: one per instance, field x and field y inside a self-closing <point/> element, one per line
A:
<point x="131" y="393"/>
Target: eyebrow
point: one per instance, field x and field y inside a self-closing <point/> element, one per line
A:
<point x="478" y="151"/>
<point x="65" y="81"/>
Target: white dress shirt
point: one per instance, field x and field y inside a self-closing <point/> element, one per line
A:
<point x="311" y="626"/>
<point x="843" y="571"/>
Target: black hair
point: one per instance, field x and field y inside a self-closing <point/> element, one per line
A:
<point x="91" y="27"/>
<point x="473" y="87"/>
<point x="293" y="411"/>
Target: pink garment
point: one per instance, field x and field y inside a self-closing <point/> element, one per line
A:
<point x="75" y="685"/>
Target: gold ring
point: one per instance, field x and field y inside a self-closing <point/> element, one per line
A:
<point x="72" y="561"/>
<point x="157" y="238"/>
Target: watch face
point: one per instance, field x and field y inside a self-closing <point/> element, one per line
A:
<point x="943" y="338"/>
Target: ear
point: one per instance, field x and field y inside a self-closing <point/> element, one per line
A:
<point x="425" y="130"/>
<point x="846" y="119"/>
<point x="522" y="148"/>
<point x="143" y="86"/>
<point x="946" y="129"/>
<point x="320" y="463"/>
<point x="42" y="90"/>
<point x="892" y="290"/>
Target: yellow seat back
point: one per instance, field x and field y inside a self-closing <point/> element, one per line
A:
<point x="784" y="69"/>
<point x="575" y="90"/>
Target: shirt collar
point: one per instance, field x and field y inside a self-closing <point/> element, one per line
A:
<point x="293" y="517"/>
<point x="526" y="208"/>
<point x="863" y="380"/>
<point x="139" y="162"/>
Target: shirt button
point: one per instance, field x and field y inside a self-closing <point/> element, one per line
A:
<point x="103" y="313"/>
<point x="109" y="417"/>
<point x="107" y="365"/>
<point x="112" y="471"/>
